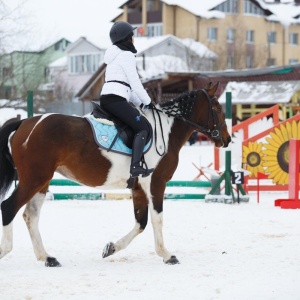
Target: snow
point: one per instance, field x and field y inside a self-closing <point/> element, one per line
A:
<point x="202" y="9"/>
<point x="263" y="92"/>
<point x="245" y="251"/>
<point x="9" y="113"/>
<point x="227" y="251"/>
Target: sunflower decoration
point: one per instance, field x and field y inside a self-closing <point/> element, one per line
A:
<point x="252" y="156"/>
<point x="276" y="153"/>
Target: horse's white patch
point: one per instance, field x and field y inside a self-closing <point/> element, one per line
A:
<point x="31" y="216"/>
<point x="7" y="239"/>
<point x="120" y="170"/>
<point x="157" y="223"/>
<point x="39" y="121"/>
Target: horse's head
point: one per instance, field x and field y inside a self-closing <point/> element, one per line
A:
<point x="209" y="116"/>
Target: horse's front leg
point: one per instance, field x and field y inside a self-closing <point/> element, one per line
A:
<point x="156" y="212"/>
<point x="31" y="216"/>
<point x="140" y="203"/>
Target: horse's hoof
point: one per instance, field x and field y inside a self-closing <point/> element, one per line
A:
<point x="52" y="262"/>
<point x="108" y="250"/>
<point x="172" y="261"/>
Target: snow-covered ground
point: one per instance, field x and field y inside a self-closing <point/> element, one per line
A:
<point x="240" y="251"/>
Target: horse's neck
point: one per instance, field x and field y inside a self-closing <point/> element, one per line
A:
<point x="180" y="133"/>
<point x="170" y="131"/>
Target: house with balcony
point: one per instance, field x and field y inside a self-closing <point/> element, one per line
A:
<point x="243" y="33"/>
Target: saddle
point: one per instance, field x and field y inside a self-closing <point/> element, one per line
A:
<point x="125" y="133"/>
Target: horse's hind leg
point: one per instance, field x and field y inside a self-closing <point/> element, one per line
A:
<point x="140" y="203"/>
<point x="31" y="216"/>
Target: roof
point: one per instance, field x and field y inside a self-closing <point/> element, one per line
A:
<point x="266" y="92"/>
<point x="142" y="44"/>
<point x="285" y="12"/>
<point x="199" y="8"/>
<point x="77" y="42"/>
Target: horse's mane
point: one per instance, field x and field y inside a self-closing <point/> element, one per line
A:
<point x="180" y="106"/>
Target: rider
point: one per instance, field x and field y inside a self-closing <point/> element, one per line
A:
<point x="122" y="84"/>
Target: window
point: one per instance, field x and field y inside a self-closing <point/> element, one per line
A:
<point x="293" y="37"/>
<point x="212" y="33"/>
<point x="6" y="72"/>
<point x="230" y="6"/>
<point x="293" y="61"/>
<point x="249" y="61"/>
<point x="154" y="29"/>
<point x="271" y="62"/>
<point x="230" y="35"/>
<point x="230" y="62"/>
<point x="82" y="64"/>
<point x="251" y="8"/>
<point x="250" y="36"/>
<point x="271" y="37"/>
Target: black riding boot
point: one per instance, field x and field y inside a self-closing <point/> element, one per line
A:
<point x="136" y="167"/>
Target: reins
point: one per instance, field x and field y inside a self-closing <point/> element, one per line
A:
<point x="176" y="110"/>
<point x="154" y="108"/>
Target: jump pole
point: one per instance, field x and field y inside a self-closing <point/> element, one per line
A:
<point x="228" y="197"/>
<point x="293" y="200"/>
<point x="29" y="104"/>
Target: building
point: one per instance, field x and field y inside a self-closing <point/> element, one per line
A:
<point x="67" y="74"/>
<point x="156" y="56"/>
<point x="243" y="33"/>
<point x="21" y="71"/>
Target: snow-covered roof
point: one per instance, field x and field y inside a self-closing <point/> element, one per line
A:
<point x="79" y="41"/>
<point x="142" y="44"/>
<point x="283" y="12"/>
<point x="159" y="65"/>
<point x="267" y="92"/>
<point x="60" y="62"/>
<point x="199" y="8"/>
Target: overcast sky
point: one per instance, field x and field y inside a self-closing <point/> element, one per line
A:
<point x="51" y="20"/>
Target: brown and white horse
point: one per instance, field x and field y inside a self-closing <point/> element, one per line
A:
<point x="42" y="145"/>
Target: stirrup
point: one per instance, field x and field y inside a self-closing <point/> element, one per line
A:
<point x="136" y="171"/>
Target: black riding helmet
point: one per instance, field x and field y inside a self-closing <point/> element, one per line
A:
<point x="119" y="31"/>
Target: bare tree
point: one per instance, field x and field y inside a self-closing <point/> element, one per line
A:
<point x="236" y="52"/>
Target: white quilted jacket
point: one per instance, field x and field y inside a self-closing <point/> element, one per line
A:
<point x="121" y="66"/>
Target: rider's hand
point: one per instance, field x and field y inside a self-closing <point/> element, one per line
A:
<point x="144" y="107"/>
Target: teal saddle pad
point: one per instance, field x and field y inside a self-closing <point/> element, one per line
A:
<point x="104" y="135"/>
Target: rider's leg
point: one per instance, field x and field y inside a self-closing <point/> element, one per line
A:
<point x="136" y="167"/>
<point x="128" y="114"/>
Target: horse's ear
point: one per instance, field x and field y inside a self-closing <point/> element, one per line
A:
<point x="209" y="85"/>
<point x="212" y="90"/>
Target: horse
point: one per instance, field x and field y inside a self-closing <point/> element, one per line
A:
<point x="33" y="149"/>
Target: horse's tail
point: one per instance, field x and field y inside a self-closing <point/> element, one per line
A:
<point x="7" y="168"/>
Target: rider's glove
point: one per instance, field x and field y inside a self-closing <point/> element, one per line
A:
<point x="144" y="107"/>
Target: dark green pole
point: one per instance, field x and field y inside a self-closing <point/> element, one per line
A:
<point x="228" y="116"/>
<point x="29" y="104"/>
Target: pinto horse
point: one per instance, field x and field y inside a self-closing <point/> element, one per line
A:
<point x="42" y="145"/>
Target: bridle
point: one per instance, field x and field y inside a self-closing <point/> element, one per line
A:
<point x="215" y="133"/>
<point x="178" y="113"/>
